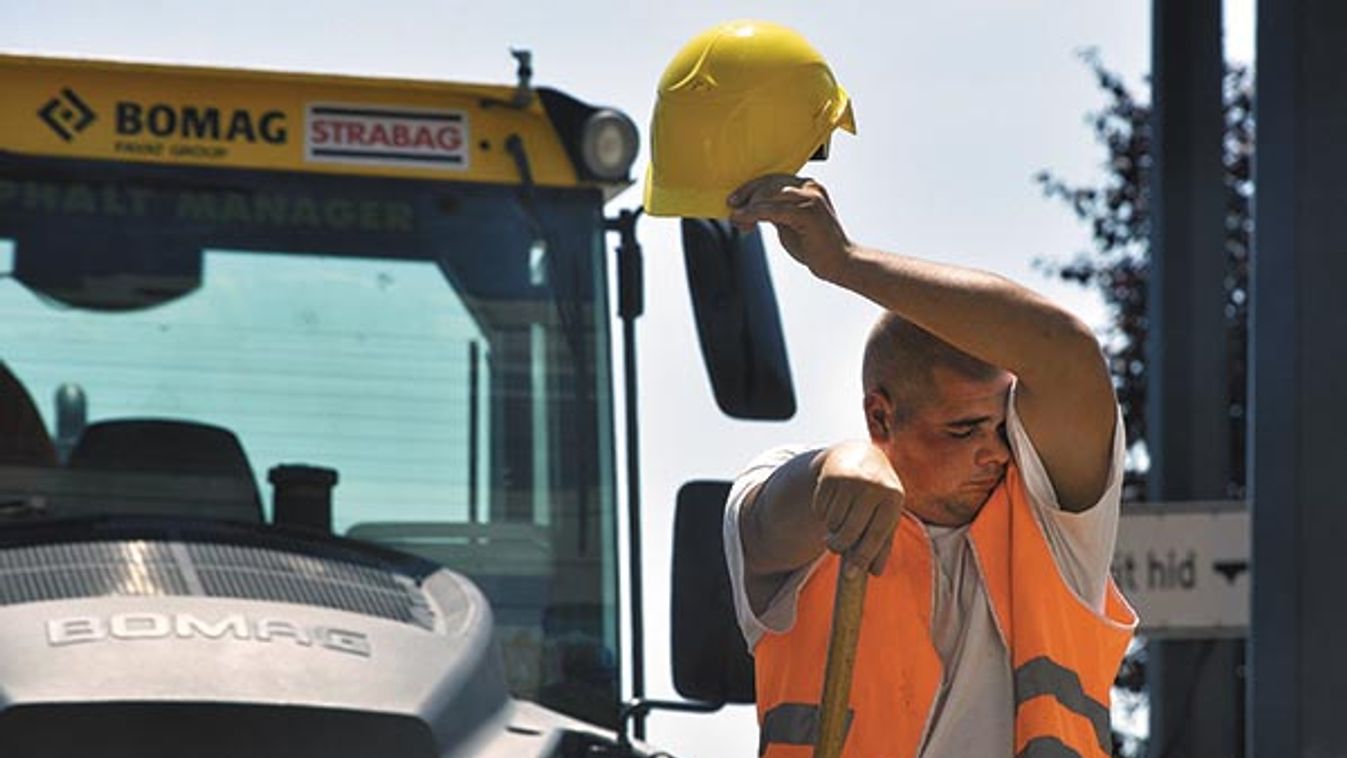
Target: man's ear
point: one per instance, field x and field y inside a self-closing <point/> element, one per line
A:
<point x="878" y="415"/>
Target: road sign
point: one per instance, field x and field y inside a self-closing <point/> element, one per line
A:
<point x="1185" y="567"/>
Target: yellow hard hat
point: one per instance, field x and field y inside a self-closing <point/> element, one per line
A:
<point x="741" y="100"/>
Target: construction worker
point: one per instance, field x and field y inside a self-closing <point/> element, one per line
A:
<point x="984" y="502"/>
<point x="984" y="497"/>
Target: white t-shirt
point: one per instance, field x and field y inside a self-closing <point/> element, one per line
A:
<point x="975" y="659"/>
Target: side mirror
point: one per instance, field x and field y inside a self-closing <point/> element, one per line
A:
<point x="738" y="323"/>
<point x="711" y="662"/>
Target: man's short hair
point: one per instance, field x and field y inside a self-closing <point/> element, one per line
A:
<point x="900" y="358"/>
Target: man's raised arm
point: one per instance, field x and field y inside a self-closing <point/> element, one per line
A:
<point x="1065" y="397"/>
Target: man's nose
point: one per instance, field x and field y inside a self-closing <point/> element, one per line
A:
<point x="996" y="451"/>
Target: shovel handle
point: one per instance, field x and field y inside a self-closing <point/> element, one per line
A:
<point x="846" y="631"/>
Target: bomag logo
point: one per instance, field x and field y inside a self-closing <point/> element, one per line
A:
<point x="67" y="114"/>
<point x="76" y="630"/>
<point x="204" y="123"/>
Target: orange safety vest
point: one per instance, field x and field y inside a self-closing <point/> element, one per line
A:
<point x="1063" y="654"/>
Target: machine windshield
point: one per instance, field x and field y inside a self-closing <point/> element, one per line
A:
<point x="442" y="348"/>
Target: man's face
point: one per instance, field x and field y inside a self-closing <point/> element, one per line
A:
<point x="951" y="453"/>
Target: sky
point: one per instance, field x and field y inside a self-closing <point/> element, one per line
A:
<point x="958" y="104"/>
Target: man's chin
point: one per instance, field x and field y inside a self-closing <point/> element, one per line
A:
<point x="959" y="512"/>
<point x="968" y="509"/>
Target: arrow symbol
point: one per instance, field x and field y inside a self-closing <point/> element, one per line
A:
<point x="1230" y="569"/>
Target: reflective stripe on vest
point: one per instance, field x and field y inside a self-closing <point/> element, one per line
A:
<point x="1046" y="747"/>
<point x="793" y="724"/>
<point x="1043" y="677"/>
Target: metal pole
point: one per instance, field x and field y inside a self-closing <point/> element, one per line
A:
<point x="1194" y="685"/>
<point x="1298" y="690"/>
<point x="630" y="305"/>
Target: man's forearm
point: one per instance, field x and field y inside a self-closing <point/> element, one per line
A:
<point x="983" y="314"/>
<point x="845" y="498"/>
<point x="779" y="529"/>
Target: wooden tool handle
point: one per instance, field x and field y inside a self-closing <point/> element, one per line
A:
<point x="832" y="733"/>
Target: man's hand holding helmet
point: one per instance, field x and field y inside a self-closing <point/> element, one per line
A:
<point x="803" y="214"/>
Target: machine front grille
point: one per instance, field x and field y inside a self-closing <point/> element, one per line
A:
<point x="139" y="567"/>
<point x="88" y="569"/>
<point x="262" y="574"/>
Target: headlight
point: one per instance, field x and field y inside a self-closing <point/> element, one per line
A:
<point x="608" y="144"/>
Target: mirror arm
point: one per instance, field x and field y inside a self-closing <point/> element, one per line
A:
<point x="630" y="305"/>
<point x="637" y="709"/>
